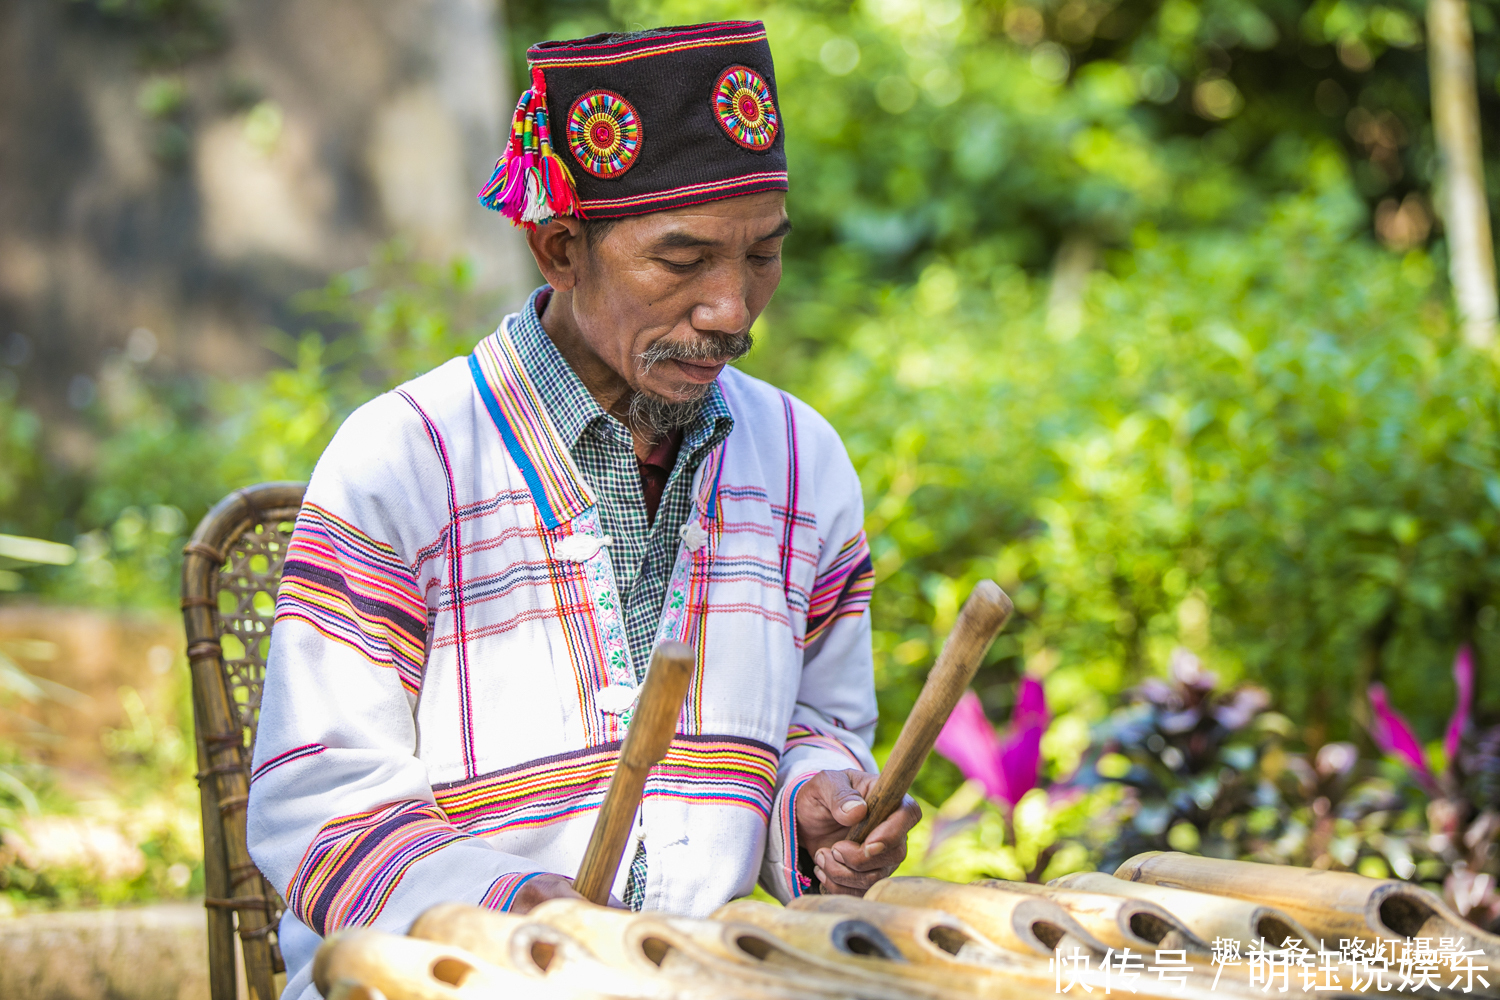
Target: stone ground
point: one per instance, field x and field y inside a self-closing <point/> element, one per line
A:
<point x="145" y="953"/>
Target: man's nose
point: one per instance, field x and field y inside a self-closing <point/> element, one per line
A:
<point x="722" y="307"/>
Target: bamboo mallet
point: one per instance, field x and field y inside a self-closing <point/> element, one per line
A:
<point x="651" y="730"/>
<point x="982" y="617"/>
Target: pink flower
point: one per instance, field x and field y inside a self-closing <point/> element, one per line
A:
<point x="1394" y="736"/>
<point x="1463" y="676"/>
<point x="1006" y="767"/>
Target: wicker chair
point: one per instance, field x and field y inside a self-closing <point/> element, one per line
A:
<point x="230" y="571"/>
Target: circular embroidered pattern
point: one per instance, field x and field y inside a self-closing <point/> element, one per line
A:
<point x="744" y="108"/>
<point x="604" y="133"/>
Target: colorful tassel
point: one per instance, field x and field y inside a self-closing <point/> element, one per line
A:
<point x="531" y="184"/>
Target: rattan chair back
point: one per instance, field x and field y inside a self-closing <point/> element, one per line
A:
<point x="230" y="572"/>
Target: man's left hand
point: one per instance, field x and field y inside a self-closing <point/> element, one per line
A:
<point x="828" y="807"/>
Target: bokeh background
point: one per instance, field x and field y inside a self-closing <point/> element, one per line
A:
<point x="1140" y="307"/>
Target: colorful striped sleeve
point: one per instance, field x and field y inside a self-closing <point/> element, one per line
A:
<point x="833" y="720"/>
<point x="354" y="590"/>
<point x="842" y="589"/>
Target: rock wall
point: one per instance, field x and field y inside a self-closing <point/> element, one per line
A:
<point x="185" y="168"/>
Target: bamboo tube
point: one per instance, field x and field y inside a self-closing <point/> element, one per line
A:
<point x="1332" y="904"/>
<point x="750" y="964"/>
<point x="1023" y="922"/>
<point x="1207" y="917"/>
<point x="981" y="618"/>
<point x="826" y="935"/>
<point x="1115" y="921"/>
<point x="646" y="743"/>
<point x="922" y="934"/>
<point x="857" y="944"/>
<point x="376" y="964"/>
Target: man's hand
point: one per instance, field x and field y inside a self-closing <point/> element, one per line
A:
<point x="827" y="808"/>
<point x="547" y="886"/>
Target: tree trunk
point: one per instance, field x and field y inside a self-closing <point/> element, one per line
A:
<point x="1466" y="216"/>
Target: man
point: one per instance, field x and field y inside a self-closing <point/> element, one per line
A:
<point x="487" y="555"/>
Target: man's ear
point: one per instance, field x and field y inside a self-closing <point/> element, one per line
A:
<point x="558" y="250"/>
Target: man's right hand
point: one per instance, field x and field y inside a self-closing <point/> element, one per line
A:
<point x="547" y="886"/>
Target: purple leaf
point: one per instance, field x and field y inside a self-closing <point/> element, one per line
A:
<point x="969" y="741"/>
<point x="1007" y="768"/>
<point x="1394" y="736"/>
<point x="1463" y="676"/>
<point x="1021" y="750"/>
<point x="1020" y="760"/>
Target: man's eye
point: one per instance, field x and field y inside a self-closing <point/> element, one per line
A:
<point x="681" y="266"/>
<point x="765" y="258"/>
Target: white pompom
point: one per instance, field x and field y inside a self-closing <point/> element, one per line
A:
<point x="580" y="548"/>
<point x="616" y="699"/>
<point x="693" y="536"/>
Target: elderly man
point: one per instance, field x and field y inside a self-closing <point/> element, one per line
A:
<point x="488" y="554"/>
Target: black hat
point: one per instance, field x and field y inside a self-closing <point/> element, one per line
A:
<point x="643" y="122"/>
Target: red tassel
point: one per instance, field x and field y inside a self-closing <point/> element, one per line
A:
<point x="531" y="184"/>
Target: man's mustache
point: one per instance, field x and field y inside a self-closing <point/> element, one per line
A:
<point x="716" y="349"/>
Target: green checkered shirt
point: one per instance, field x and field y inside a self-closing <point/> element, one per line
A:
<point x="643" y="553"/>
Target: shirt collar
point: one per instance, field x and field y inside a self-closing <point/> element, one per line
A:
<point x="573" y="408"/>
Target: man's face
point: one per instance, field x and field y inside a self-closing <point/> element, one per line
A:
<point x="667" y="299"/>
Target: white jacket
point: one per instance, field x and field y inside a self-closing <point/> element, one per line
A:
<point x="432" y="728"/>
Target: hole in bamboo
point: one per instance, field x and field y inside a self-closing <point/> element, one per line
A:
<point x="453" y="971"/>
<point x="1275" y="931"/>
<point x="1149" y="927"/>
<point x="656" y="950"/>
<point x="858" y="937"/>
<point x="1404" y="916"/>
<point x="542" y="954"/>
<point x="753" y="946"/>
<point x="1047" y="933"/>
<point x="950" y="939"/>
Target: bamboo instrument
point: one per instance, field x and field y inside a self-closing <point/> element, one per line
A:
<point x="1332" y="904"/>
<point x="857" y="944"/>
<point x="651" y="730"/>
<point x="923" y="934"/>
<point x="520" y="944"/>
<point x="827" y="935"/>
<point x="1018" y="921"/>
<point x="732" y="960"/>
<point x="942" y="947"/>
<point x="1115" y="921"/>
<point x="367" y="965"/>
<point x="982" y="617"/>
<point x="1207" y="917"/>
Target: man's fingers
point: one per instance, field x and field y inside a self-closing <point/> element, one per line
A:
<point x="845" y="803"/>
<point x="838" y="878"/>
<point x="860" y="858"/>
<point x="895" y="827"/>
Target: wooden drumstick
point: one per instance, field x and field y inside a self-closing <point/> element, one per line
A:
<point x="983" y="615"/>
<point x="651" y="730"/>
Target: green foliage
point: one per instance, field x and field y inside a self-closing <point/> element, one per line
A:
<point x="1266" y="448"/>
<point x="170" y="449"/>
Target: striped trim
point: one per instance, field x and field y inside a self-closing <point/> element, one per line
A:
<point x="716" y="769"/>
<point x="691" y="194"/>
<point x="286" y="757"/>
<point x="613" y="53"/>
<point x="557" y="487"/>
<point x="354" y="864"/>
<point x="501" y="895"/>
<point x="355" y="591"/>
<point x="801" y="735"/>
<point x="786" y="818"/>
<point x="793" y="488"/>
<point x="844" y="589"/>
<point x="455" y="584"/>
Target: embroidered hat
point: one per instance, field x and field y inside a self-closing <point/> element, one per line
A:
<point x="617" y="125"/>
